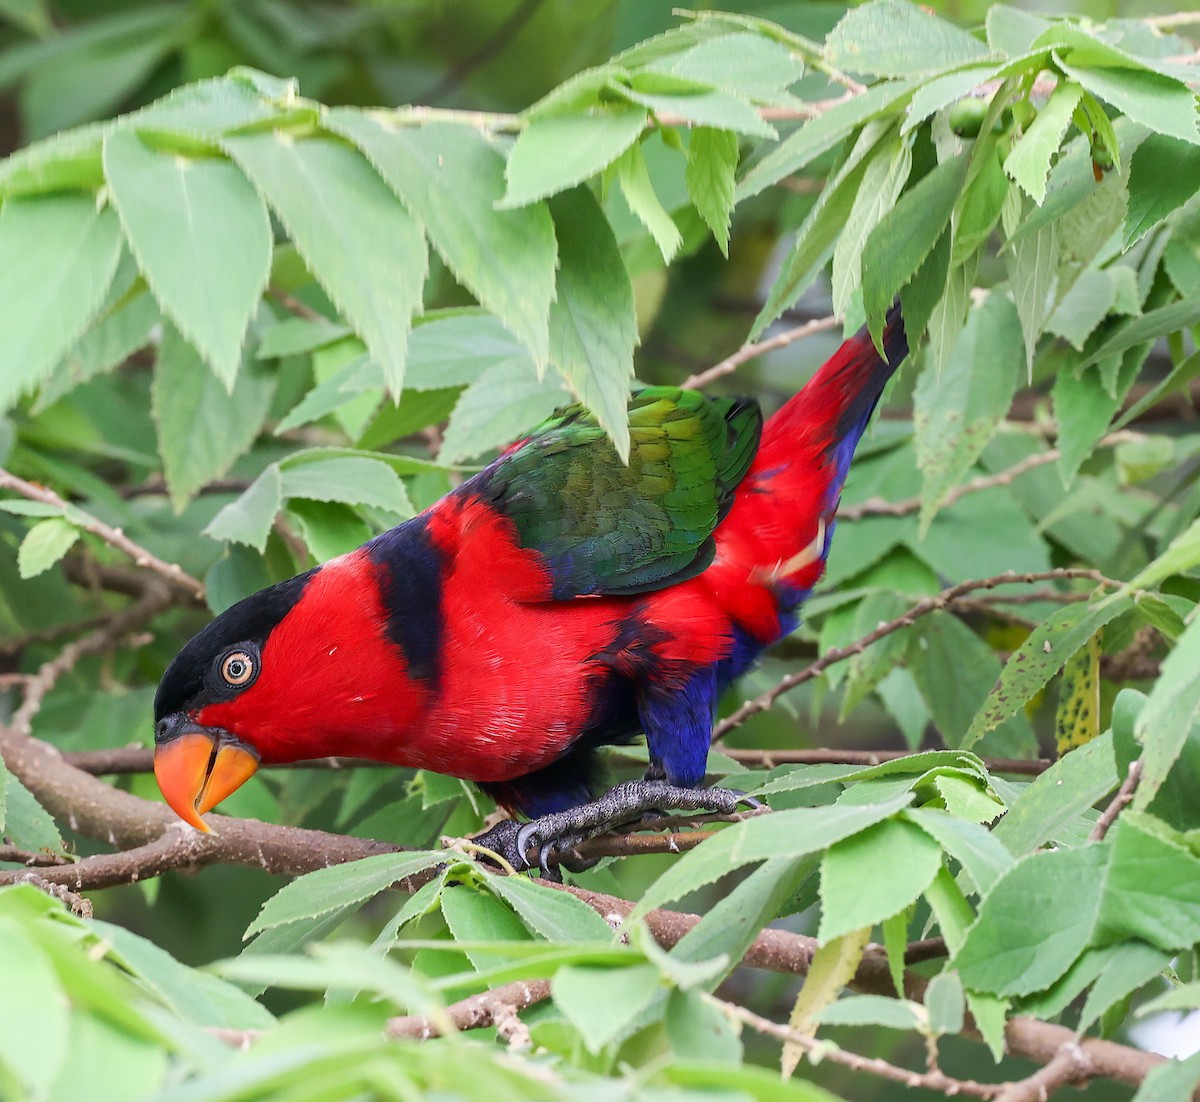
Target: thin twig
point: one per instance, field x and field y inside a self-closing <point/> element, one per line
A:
<point x="749" y="351"/>
<point x="1172" y="19"/>
<point x="173" y="572"/>
<point x="293" y="305"/>
<point x="501" y="37"/>
<point x="155" y="598"/>
<point x="922" y="608"/>
<point x="77" y="903"/>
<point x="877" y="507"/>
<point x="933" y="1079"/>
<point x="1069" y="1065"/>
<point x="476" y="1012"/>
<point x="49" y="635"/>
<point x="769" y="759"/>
<point x="31" y="859"/>
<point x="1119" y="802"/>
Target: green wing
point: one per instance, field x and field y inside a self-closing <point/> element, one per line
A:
<point x="607" y="527"/>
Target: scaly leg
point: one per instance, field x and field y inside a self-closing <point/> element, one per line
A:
<point x="557" y="834"/>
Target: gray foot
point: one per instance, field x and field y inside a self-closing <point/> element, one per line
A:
<point x="552" y="837"/>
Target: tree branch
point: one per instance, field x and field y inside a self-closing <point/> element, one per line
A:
<point x="878" y="507"/>
<point x="750" y="351"/>
<point x="1119" y="802"/>
<point x="488" y="1008"/>
<point x="924" y="607"/>
<point x="769" y="759"/>
<point x="1069" y="1065"/>
<point x="933" y="1079"/>
<point x="172" y="572"/>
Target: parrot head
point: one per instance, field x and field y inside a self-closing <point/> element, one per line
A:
<point x="210" y="706"/>
<point x="320" y="665"/>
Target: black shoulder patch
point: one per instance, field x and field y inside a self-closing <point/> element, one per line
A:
<point x="411" y="584"/>
<point x="252" y="619"/>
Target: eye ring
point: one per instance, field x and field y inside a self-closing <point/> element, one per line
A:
<point x="238" y="668"/>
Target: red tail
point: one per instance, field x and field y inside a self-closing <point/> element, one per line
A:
<point x="771" y="548"/>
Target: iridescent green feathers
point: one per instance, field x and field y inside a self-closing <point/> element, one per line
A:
<point x="605" y="527"/>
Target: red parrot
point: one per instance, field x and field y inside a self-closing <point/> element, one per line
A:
<point x="557" y="601"/>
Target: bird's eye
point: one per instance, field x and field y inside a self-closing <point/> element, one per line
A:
<point x="237" y="668"/>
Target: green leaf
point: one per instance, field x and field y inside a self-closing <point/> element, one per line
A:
<point x="982" y="856"/>
<point x="1053" y="904"/>
<point x="451" y="179"/>
<point x="944" y="1001"/>
<point x="873" y="874"/>
<point x="26" y="823"/>
<point x="957" y="414"/>
<point x="45" y="543"/>
<point x="34" y="1028"/>
<point x="1166" y="105"/>
<point x="833" y="965"/>
<point x="355" y="480"/>
<point x="882" y="182"/>
<point x="295" y="336"/>
<point x="602" y="1003"/>
<point x="1039" y="658"/>
<point x="933" y="95"/>
<point x="357" y="239"/>
<point x="1058" y="796"/>
<point x="553" y="153"/>
<point x="698" y="104"/>
<point x="474" y="916"/>
<point x="698" y="1030"/>
<point x="1132" y="966"/>
<point x="821" y="134"/>
<point x="58" y="255"/>
<point x="107" y="344"/>
<point x="712" y="161"/>
<point x="816" y="236"/>
<point x="1029" y="162"/>
<point x="1174" y="1081"/>
<point x="791" y="833"/>
<point x="1163" y="725"/>
<point x="1094" y="295"/>
<point x="745" y="64"/>
<point x="905" y="236"/>
<point x="734" y="921"/>
<point x="639" y="194"/>
<point x="202" y="426"/>
<point x="879" y="1010"/>
<point x="1184" y="997"/>
<point x="328" y="529"/>
<point x="248" y="520"/>
<point x="506" y="401"/>
<point x="891" y="38"/>
<point x="551" y="914"/>
<point x="455" y="350"/>
<point x="1032" y="263"/>
<point x="197" y="997"/>
<point x="593" y="324"/>
<point x="201" y="238"/>
<point x="318" y="893"/>
<point x="1163" y="175"/>
<point x="1182" y="554"/>
<point x="954" y="670"/>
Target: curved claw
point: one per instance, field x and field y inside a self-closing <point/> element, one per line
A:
<point x="525" y="836"/>
<point x="752" y="802"/>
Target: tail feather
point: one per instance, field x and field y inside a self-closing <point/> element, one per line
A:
<point x="771" y="550"/>
<point x="833" y="408"/>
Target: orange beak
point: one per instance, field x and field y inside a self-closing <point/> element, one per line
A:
<point x="196" y="770"/>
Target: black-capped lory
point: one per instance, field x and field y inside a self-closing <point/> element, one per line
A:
<point x="555" y="602"/>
